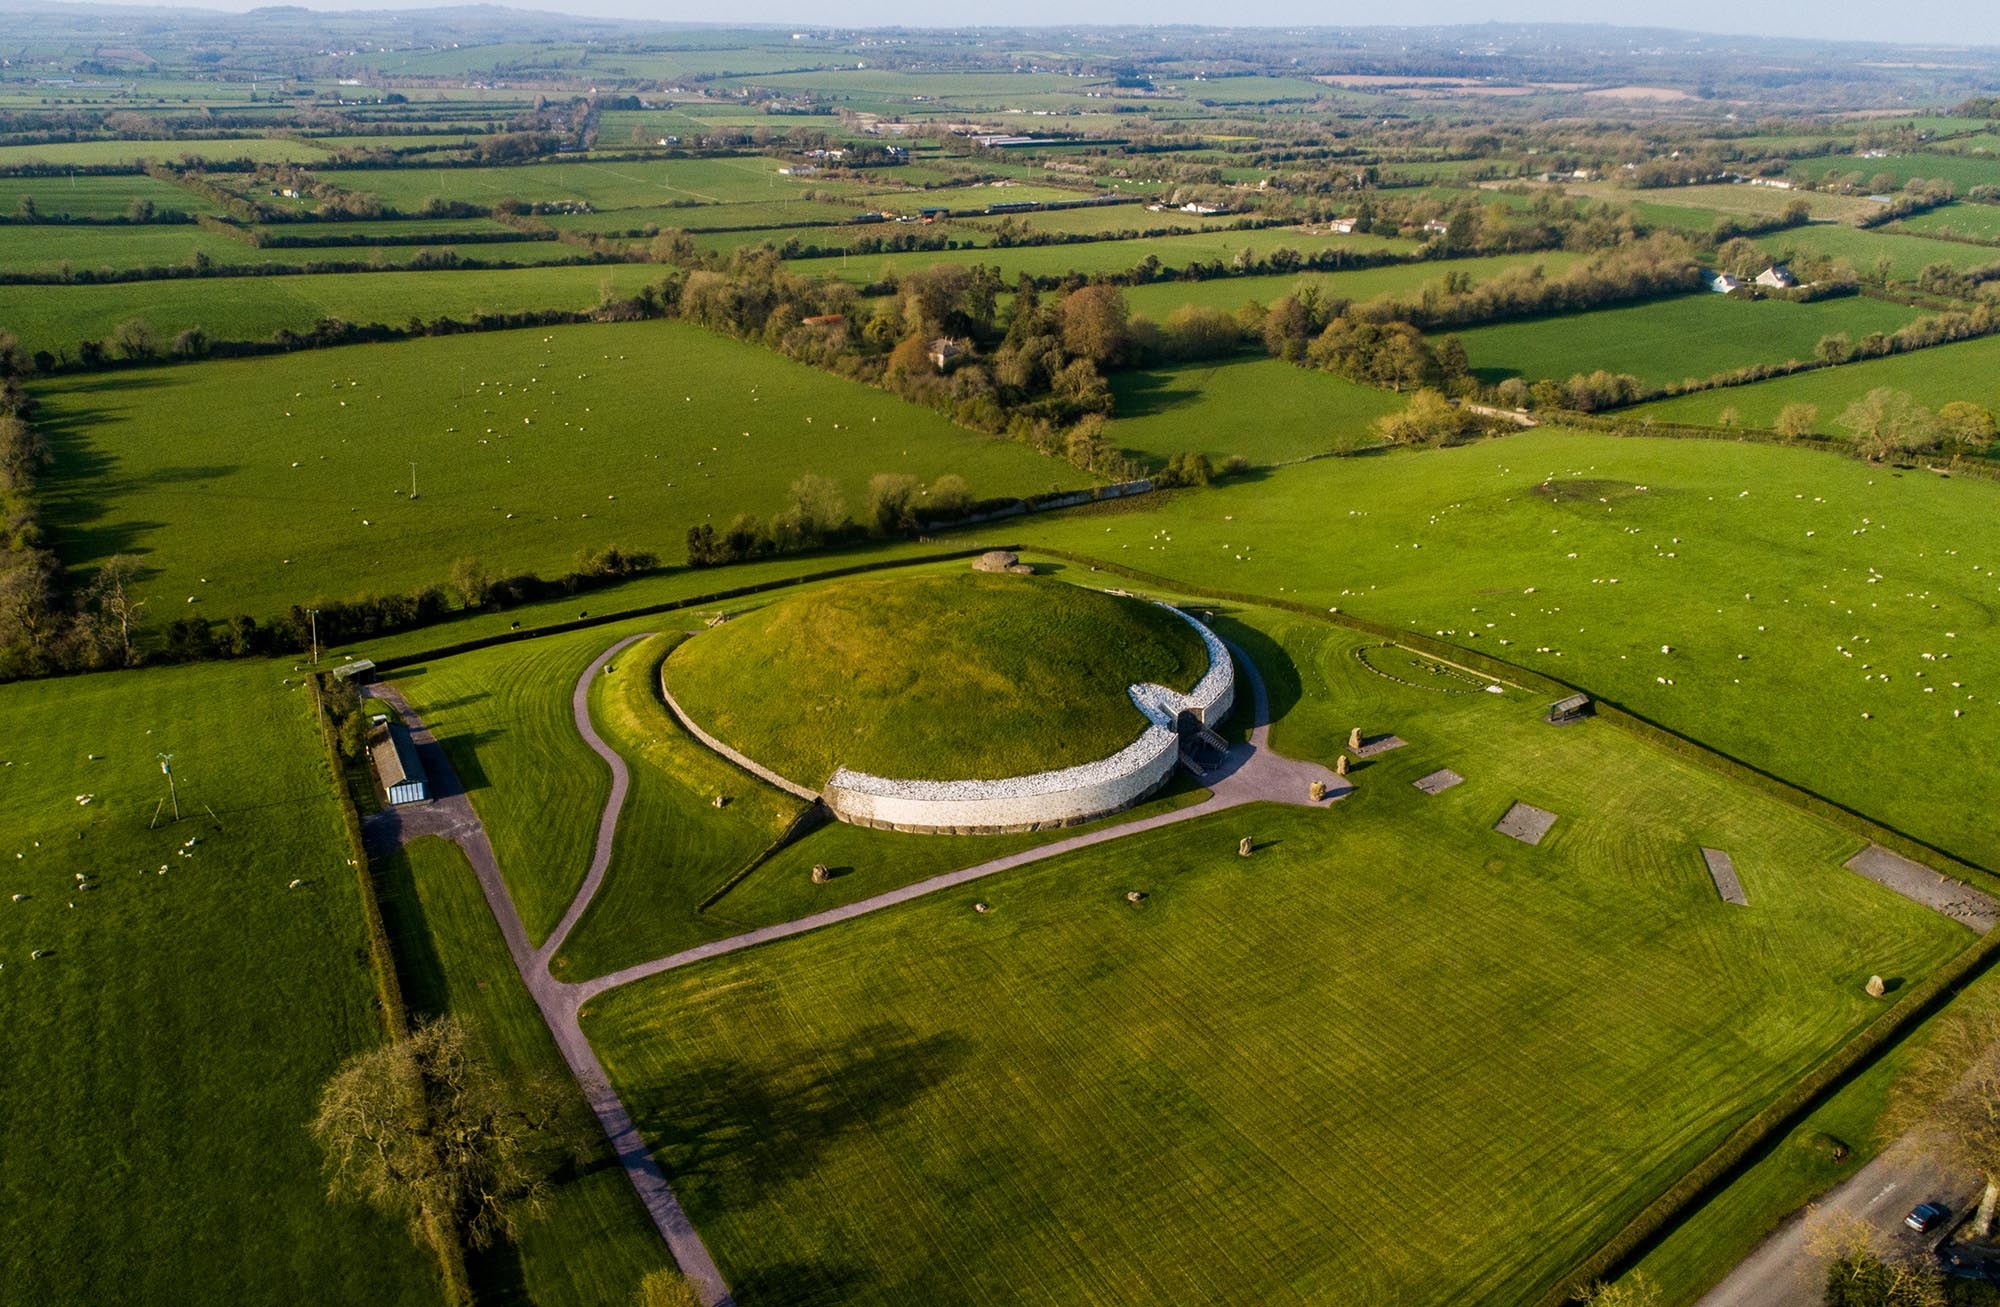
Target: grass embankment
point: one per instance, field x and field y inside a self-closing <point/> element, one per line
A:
<point x="944" y="677"/>
<point x="1333" y="1030"/>
<point x="1582" y="556"/>
<point x="238" y="480"/>
<point x="164" y="1058"/>
<point x="595" y="1241"/>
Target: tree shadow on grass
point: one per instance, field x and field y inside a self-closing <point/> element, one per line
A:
<point x="732" y="1132"/>
<point x="1149" y="394"/>
<point x="461" y="748"/>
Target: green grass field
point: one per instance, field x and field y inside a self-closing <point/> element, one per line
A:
<point x="455" y="962"/>
<point x="1161" y="298"/>
<point x="1979" y="222"/>
<point x="955" y="677"/>
<point x="247" y="484"/>
<point x="1739" y="198"/>
<point x="164" y="1058"/>
<point x="1751" y="561"/>
<point x="1907" y="255"/>
<point x="607" y="185"/>
<point x="1693" y="336"/>
<point x="55" y="318"/>
<point x="48" y="249"/>
<point x="260" y="149"/>
<point x="1264" y="409"/>
<point x="1962" y="170"/>
<point x="1935" y="376"/>
<point x="1229" y="1085"/>
<point x="97" y="197"/>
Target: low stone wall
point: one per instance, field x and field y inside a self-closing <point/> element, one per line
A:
<point x="761" y="772"/>
<point x="1044" y="800"/>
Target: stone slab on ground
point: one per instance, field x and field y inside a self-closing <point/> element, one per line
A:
<point x="1380" y="744"/>
<point x="1526" y="823"/>
<point x="1921" y="884"/>
<point x="1438" y="781"/>
<point x="1722" y="870"/>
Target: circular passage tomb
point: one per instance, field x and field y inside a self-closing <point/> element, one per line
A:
<point x="963" y="702"/>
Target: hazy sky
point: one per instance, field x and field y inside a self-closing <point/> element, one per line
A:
<point x="1956" y="22"/>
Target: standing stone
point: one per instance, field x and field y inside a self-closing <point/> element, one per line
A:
<point x="1243" y="847"/>
<point x="1133" y="896"/>
<point x="720" y="800"/>
<point x="1340" y="765"/>
<point x="1876" y="987"/>
<point x="981" y="907"/>
<point x="1354" y="739"/>
<point x="820" y="874"/>
<point x="1317" y="790"/>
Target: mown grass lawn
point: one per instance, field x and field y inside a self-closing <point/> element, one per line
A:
<point x="1693" y="336"/>
<point x="935" y="677"/>
<point x="285" y="479"/>
<point x="596" y="1240"/>
<point x="163" y="1060"/>
<point x="1219" y="1093"/>
<point x="1583" y="555"/>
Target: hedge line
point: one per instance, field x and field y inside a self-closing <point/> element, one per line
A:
<point x="447" y="1243"/>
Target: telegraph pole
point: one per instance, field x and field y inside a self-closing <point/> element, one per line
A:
<point x="313" y="613"/>
<point x="413" y="480"/>
<point x="173" y="791"/>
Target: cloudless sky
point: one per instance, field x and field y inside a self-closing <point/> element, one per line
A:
<point x="1954" y="22"/>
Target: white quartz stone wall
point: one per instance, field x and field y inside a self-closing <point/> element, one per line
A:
<point x="1050" y="798"/>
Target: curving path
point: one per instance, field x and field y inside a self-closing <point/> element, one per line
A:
<point x="1251" y="773"/>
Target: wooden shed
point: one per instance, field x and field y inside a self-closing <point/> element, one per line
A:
<point x="397" y="765"/>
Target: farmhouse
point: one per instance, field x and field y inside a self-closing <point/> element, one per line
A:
<point x="943" y="351"/>
<point x="397" y="765"/>
<point x="1344" y="226"/>
<point x="1722" y="283"/>
<point x="1437" y="227"/>
<point x="1777" y="277"/>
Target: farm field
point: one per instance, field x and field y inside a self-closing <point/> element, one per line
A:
<point x="55" y="317"/>
<point x="1738" y="198"/>
<point x="1963" y="171"/>
<point x="620" y="185"/>
<point x="1694" y="545"/>
<point x="89" y="248"/>
<point x="258" y="149"/>
<point x="1979" y="222"/>
<point x="1906" y="255"/>
<point x="201" y="472"/>
<point x="1964" y="370"/>
<point x="923" y="1040"/>
<point x="1090" y="258"/>
<point x="1264" y="409"/>
<point x="97" y="197"/>
<point x="164" y="1058"/>
<point x="1693" y="336"/>
<point x="1158" y="299"/>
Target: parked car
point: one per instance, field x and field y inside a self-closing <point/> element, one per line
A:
<point x="1925" y="1217"/>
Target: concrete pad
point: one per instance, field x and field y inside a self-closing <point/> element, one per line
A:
<point x="1526" y="823"/>
<point x="1921" y="884"/>
<point x="1722" y="870"/>
<point x="1438" y="781"/>
<point x="1380" y="744"/>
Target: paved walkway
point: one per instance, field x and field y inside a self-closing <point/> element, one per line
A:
<point x="1250" y="773"/>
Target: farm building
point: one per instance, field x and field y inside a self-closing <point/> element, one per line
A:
<point x="1344" y="226"/>
<point x="943" y="351"/>
<point x="397" y="765"/>
<point x="1722" y="283"/>
<point x="1777" y="277"/>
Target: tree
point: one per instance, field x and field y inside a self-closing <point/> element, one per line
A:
<point x="114" y="608"/>
<point x="1834" y="348"/>
<point x="664" y="1288"/>
<point x="892" y="503"/>
<point x="1887" y="422"/>
<point x="949" y="495"/>
<point x="1967" y="423"/>
<point x="1635" y="1290"/>
<point x="1742" y="258"/>
<point x="423" y="1130"/>
<point x="1858" y="1274"/>
<point x="1093" y="323"/>
<point x="1428" y="419"/>
<point x="815" y="512"/>
<point x="470" y="581"/>
<point x="1949" y="1100"/>
<point x="133" y="339"/>
<point x="1795" y="421"/>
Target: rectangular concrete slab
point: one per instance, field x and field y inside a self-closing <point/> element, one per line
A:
<point x="1722" y="870"/>
<point x="1438" y="781"/>
<point x="1380" y="744"/>
<point x="1526" y="823"/>
<point x="1921" y="884"/>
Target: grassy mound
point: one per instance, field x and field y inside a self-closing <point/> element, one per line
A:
<point x="946" y="677"/>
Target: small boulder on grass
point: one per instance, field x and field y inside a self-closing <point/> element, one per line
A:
<point x="820" y="873"/>
<point x="1135" y="896"/>
<point x="1877" y="987"/>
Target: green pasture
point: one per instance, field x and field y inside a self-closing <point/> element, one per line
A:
<point x="259" y="149"/>
<point x="1936" y="376"/>
<point x="97" y="197"/>
<point x="1739" y="198"/>
<point x="604" y="185"/>
<point x="1159" y="299"/>
<point x="1977" y="222"/>
<point x="1907" y="255"/>
<point x="1962" y="170"/>
<point x="954" y="677"/>
<point x="250" y="485"/>
<point x="1693" y="336"/>
<point x="56" y="317"/>
<point x="49" y="249"/>
<point x="201" y="981"/>
<point x="1229" y="1083"/>
<point x="595" y="1241"/>
<point x="1091" y="257"/>
<point x="1582" y="556"/>
<point x="1264" y="409"/>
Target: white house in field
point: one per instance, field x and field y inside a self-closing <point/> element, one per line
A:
<point x="1777" y="277"/>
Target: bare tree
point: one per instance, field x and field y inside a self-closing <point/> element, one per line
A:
<point x="1860" y="1274"/>
<point x="665" y="1288"/>
<point x="1634" y="1290"/>
<point x="1885" y="422"/>
<point x="1949" y="1100"/>
<point x="423" y="1130"/>
<point x="113" y="606"/>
